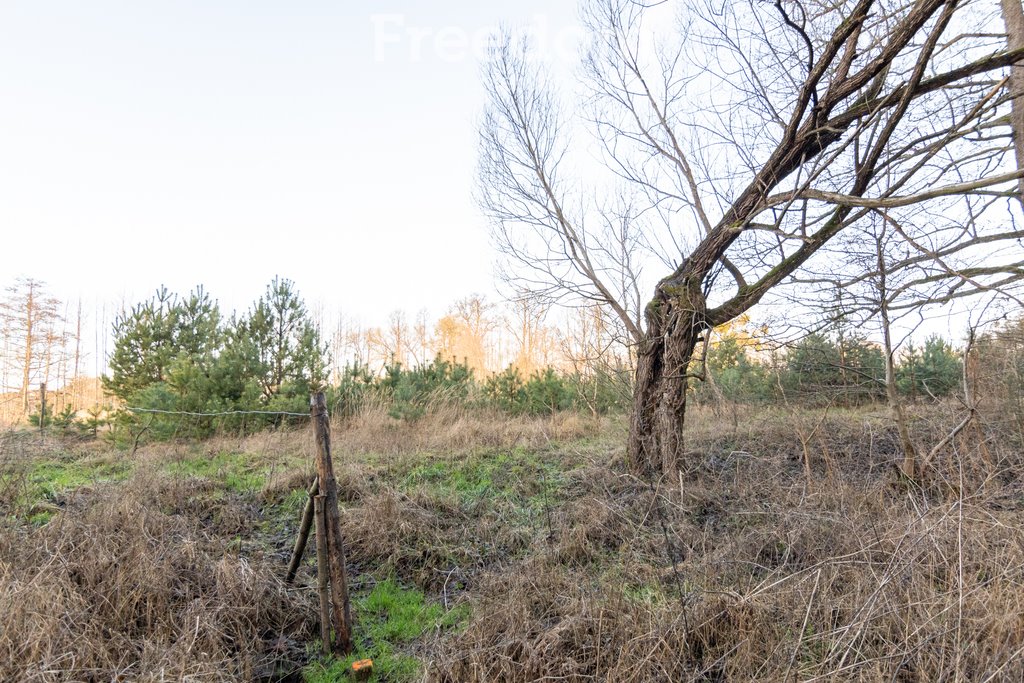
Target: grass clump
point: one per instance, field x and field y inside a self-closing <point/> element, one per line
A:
<point x="34" y="490"/>
<point x="387" y="620"/>
<point x="517" y="476"/>
<point x="235" y="471"/>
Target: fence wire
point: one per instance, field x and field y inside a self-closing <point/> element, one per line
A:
<point x="218" y="414"/>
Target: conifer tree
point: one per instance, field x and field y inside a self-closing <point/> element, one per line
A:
<point x="280" y="346"/>
<point x="144" y="345"/>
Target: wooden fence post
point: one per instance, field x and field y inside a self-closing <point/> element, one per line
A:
<point x="322" y="574"/>
<point x="342" y="616"/>
<point x="42" y="407"/>
<point x="303" y="537"/>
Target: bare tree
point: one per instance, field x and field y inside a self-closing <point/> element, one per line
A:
<point x="764" y="135"/>
<point x="421" y="346"/>
<point x="531" y="338"/>
<point x="384" y="346"/>
<point x="398" y="337"/>
<point x="474" y="323"/>
<point x="35" y="333"/>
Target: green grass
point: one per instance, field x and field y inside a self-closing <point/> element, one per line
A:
<point x="33" y="491"/>
<point x="386" y="619"/>
<point x="54" y="477"/>
<point x="644" y="593"/>
<point x="40" y="518"/>
<point x="519" y="476"/>
<point x="235" y="471"/>
<point x="47" y="481"/>
<point x="295" y="501"/>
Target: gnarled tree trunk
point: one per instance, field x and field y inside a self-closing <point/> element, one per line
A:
<point x="676" y="318"/>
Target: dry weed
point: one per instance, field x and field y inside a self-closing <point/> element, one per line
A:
<point x="741" y="570"/>
<point x="132" y="583"/>
<point x="451" y="428"/>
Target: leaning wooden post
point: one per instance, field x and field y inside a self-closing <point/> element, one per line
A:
<point x="303" y="538"/>
<point x="322" y="574"/>
<point x="335" y="550"/>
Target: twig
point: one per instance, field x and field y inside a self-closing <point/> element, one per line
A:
<point x="803" y="627"/>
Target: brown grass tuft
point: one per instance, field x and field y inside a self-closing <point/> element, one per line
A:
<point x="130" y="583"/>
<point x="449" y="428"/>
<point x="571" y="567"/>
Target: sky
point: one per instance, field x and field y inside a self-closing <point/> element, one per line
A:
<point x="222" y="142"/>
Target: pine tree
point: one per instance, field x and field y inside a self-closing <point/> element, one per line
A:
<point x="280" y="346"/>
<point x="144" y="345"/>
<point x="943" y="367"/>
<point x="167" y="348"/>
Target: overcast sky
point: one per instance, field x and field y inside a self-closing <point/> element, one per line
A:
<point x="216" y="142"/>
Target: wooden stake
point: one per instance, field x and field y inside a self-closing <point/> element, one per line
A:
<point x="42" y="406"/>
<point x="335" y="550"/>
<point x="304" y="527"/>
<point x="322" y="580"/>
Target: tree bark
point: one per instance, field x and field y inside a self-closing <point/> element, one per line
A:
<point x="1013" y="19"/>
<point x="322" y="574"/>
<point x="675" y="322"/>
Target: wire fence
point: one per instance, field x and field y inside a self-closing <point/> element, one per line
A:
<point x="165" y="425"/>
<point x="216" y="414"/>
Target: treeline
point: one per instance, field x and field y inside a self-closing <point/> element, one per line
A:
<point x="824" y="368"/>
<point x="180" y="367"/>
<point x="180" y="354"/>
<point x="408" y="393"/>
<point x="175" y="355"/>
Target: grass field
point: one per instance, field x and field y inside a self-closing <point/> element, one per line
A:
<point x="483" y="549"/>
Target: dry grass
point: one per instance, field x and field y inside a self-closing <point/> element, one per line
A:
<point x="451" y="427"/>
<point x="129" y="583"/>
<point x="570" y="567"/>
<point x="855" y="577"/>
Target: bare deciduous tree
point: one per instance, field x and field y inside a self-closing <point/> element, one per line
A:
<point x="35" y="334"/>
<point x="762" y="137"/>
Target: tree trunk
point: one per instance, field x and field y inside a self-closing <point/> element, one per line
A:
<point x="675" y="321"/>
<point x="77" y="401"/>
<point x="908" y="466"/>
<point x="26" y="371"/>
<point x="1013" y="19"/>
